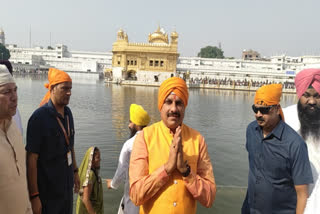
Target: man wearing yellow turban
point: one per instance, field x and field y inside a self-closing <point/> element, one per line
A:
<point x="51" y="164"/>
<point x="170" y="168"/>
<point x="139" y="119"/>
<point x="279" y="167"/>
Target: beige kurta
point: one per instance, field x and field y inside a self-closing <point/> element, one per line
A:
<point x="14" y="196"/>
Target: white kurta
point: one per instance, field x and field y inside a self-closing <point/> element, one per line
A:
<point x="313" y="202"/>
<point x="292" y="119"/>
<point x="122" y="176"/>
<point x="17" y="119"/>
<point x="14" y="197"/>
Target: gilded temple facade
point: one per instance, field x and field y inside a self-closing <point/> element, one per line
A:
<point x="154" y="61"/>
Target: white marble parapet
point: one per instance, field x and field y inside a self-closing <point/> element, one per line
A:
<point x="148" y="44"/>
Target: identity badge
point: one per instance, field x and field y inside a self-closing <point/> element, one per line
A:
<point x="69" y="157"/>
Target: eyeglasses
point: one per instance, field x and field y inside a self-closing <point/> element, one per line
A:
<point x="263" y="110"/>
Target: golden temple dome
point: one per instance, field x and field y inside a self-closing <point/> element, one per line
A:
<point x="159" y="36"/>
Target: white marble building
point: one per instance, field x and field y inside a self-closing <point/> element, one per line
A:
<point x="60" y="57"/>
<point x="277" y="68"/>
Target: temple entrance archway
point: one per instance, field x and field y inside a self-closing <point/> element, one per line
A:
<point x="131" y="75"/>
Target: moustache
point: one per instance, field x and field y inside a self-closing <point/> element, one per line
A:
<point x="260" y="119"/>
<point x="173" y="114"/>
<point x="315" y="108"/>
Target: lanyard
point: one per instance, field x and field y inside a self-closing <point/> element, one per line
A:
<point x="64" y="130"/>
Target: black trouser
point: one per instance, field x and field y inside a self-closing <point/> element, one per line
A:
<point x="57" y="206"/>
<point x="245" y="206"/>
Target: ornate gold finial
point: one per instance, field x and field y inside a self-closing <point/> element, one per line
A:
<point x="174" y="37"/>
<point x="120" y="34"/>
<point x="174" y="34"/>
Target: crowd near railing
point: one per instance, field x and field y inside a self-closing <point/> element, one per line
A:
<point x="229" y="82"/>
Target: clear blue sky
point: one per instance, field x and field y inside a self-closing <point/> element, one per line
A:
<point x="269" y="26"/>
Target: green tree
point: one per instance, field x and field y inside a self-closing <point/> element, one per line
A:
<point x="4" y="52"/>
<point x="211" y="52"/>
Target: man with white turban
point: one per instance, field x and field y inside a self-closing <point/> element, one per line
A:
<point x="139" y="119"/>
<point x="14" y="197"/>
<point x="17" y="116"/>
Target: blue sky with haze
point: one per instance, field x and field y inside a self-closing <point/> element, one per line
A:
<point x="269" y="26"/>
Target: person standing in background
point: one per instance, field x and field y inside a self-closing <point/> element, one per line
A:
<point x="139" y="119"/>
<point x="90" y="198"/>
<point x="304" y="117"/>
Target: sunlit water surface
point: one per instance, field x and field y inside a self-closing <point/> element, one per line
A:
<point x="101" y="115"/>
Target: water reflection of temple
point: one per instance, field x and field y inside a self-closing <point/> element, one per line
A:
<point x="121" y="99"/>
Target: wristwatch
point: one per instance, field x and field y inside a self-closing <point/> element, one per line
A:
<point x="185" y="174"/>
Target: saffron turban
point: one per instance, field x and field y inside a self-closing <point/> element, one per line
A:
<point x="138" y="115"/>
<point x="5" y="76"/>
<point x="55" y="76"/>
<point x="176" y="85"/>
<point x="305" y="78"/>
<point x="269" y="95"/>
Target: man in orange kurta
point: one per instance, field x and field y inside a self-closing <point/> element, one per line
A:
<point x="170" y="168"/>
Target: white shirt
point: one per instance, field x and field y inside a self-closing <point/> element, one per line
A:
<point x="122" y="176"/>
<point x="292" y="119"/>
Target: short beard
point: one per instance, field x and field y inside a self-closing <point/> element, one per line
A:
<point x="310" y="121"/>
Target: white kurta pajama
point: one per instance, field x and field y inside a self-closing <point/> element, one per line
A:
<point x="122" y="176"/>
<point x="14" y="197"/>
<point x="313" y="203"/>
